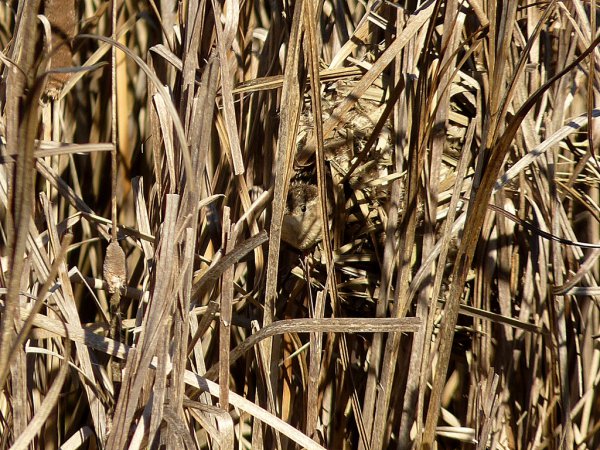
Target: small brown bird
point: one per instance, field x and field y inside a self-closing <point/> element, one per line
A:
<point x="302" y="218"/>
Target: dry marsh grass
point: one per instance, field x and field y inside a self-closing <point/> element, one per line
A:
<point x="433" y="163"/>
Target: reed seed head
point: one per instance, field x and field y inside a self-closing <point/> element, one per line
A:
<point x="114" y="270"/>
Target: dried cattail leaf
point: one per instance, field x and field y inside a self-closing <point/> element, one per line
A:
<point x="115" y="270"/>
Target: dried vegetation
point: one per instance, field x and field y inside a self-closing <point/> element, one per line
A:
<point x="433" y="161"/>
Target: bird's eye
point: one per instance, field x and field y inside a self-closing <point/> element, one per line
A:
<point x="303" y="208"/>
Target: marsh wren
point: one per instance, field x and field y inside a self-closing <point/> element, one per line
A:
<point x="302" y="219"/>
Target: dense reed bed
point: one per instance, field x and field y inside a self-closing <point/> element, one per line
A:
<point x="311" y="224"/>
